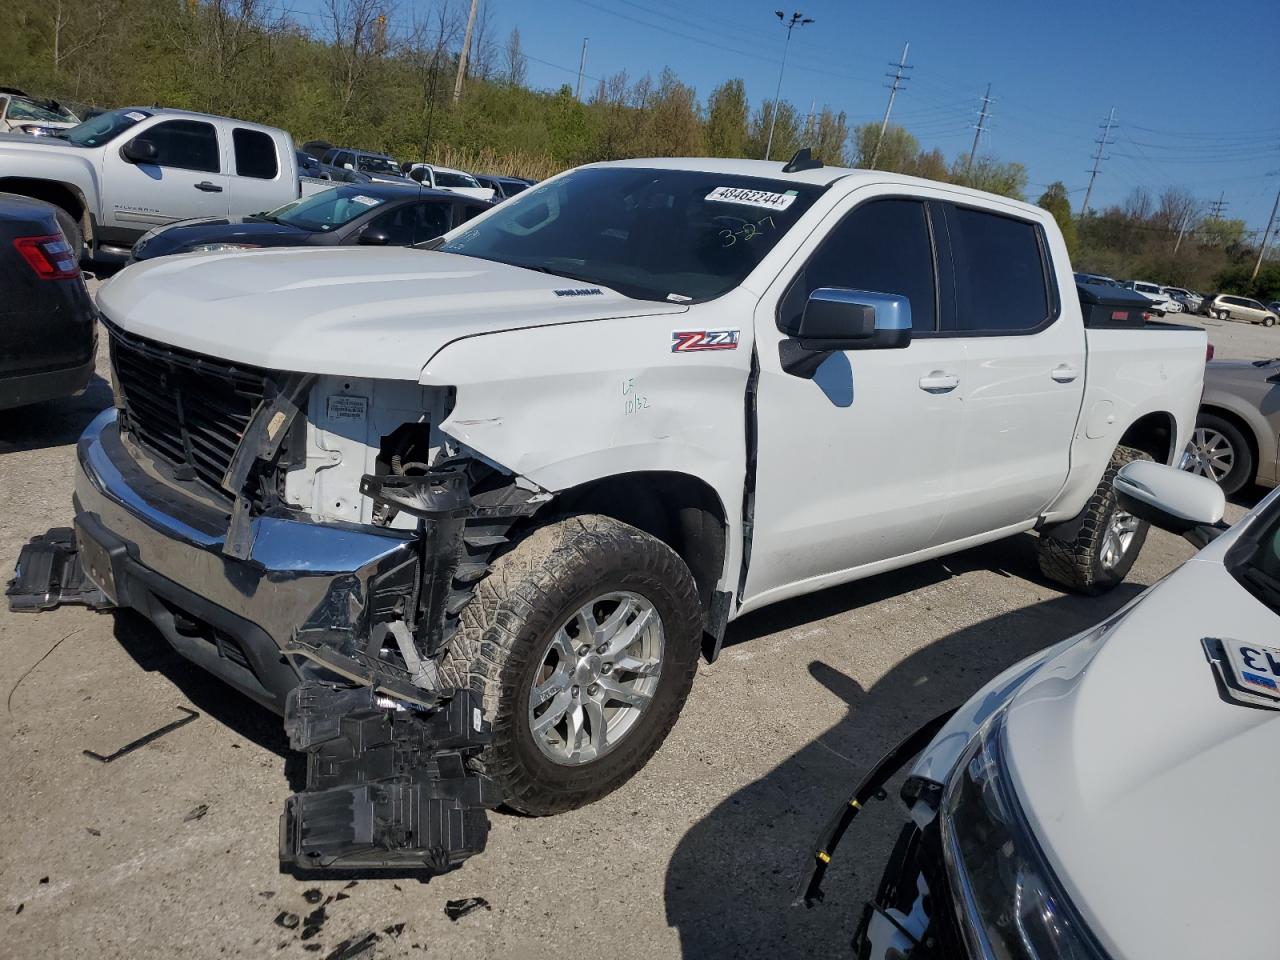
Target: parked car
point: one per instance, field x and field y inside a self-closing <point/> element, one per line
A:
<point x="317" y="148"/>
<point x="20" y="113"/>
<point x="473" y="480"/>
<point x="373" y="214"/>
<point x="502" y="187"/>
<point x="354" y="166"/>
<point x="1234" y="442"/>
<point x="1274" y="307"/>
<point x="1164" y="303"/>
<point x="308" y="166"/>
<point x="444" y="178"/>
<point x="1055" y="814"/>
<point x="1230" y="307"/>
<point x="1190" y="300"/>
<point x="1096" y="279"/>
<point x="48" y="327"/>
<point x="125" y="171"/>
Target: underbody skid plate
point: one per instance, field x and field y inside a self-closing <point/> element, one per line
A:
<point x="50" y="572"/>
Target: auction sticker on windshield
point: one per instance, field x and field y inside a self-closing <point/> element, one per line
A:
<point x="753" y="198"/>
<point x="1256" y="668"/>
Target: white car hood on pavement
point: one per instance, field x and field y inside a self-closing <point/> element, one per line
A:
<point x="349" y="311"/>
<point x="1154" y="799"/>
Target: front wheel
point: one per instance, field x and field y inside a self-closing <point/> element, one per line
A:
<point x="1218" y="450"/>
<point x="1268" y="321"/>
<point x="1094" y="551"/>
<point x="583" y="642"/>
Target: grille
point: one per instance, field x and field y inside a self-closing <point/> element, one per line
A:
<point x="189" y="410"/>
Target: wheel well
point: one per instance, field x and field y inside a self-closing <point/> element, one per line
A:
<point x="1240" y="424"/>
<point x="49" y="191"/>
<point x="1153" y="433"/>
<point x="682" y="511"/>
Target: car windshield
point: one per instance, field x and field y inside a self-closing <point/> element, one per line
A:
<point x="377" y="165"/>
<point x="1255" y="560"/>
<point x="446" y="179"/>
<point x="103" y="128"/>
<point x="325" y="211"/>
<point x="20" y="108"/>
<point x="674" y="235"/>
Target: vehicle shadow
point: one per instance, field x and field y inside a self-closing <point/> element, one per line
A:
<point x="53" y="423"/>
<point x="731" y="881"/>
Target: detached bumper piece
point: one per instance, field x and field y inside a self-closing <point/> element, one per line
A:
<point x="388" y="788"/>
<point x="51" y="572"/>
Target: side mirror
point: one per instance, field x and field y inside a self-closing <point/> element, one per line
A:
<point x="1172" y="499"/>
<point x="347" y="166"/>
<point x="835" y="318"/>
<point x="140" y="150"/>
<point x="374" y="237"/>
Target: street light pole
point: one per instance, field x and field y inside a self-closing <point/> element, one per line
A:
<point x="797" y="20"/>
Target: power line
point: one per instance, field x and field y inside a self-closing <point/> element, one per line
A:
<point x="898" y="81"/>
<point x="1098" y="157"/>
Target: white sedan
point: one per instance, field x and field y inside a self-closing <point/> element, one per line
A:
<point x="1115" y="795"/>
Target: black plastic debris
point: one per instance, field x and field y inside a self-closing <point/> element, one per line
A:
<point x="394" y="930"/>
<point x="359" y="947"/>
<point x="457" y="909"/>
<point x="144" y="740"/>
<point x="50" y="571"/>
<point x="94" y="831"/>
<point x="312" y="896"/>
<point x="287" y="920"/>
<point x="196" y="813"/>
<point x="267" y="894"/>
<point x="19" y="910"/>
<point x="313" y="922"/>
<point x="44" y="880"/>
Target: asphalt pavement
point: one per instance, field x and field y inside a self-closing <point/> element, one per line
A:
<point x="171" y="850"/>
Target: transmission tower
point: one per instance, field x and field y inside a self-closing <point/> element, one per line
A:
<point x="1098" y="156"/>
<point x="899" y="81"/>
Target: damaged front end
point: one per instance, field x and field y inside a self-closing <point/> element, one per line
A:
<point x="312" y="541"/>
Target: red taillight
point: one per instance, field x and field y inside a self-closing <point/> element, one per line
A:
<point x="1208" y="353"/>
<point x="50" y="256"/>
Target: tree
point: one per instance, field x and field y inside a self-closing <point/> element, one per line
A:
<point x="674" y="127"/>
<point x="1055" y="200"/>
<point x="725" y="131"/>
<point x="830" y="138"/>
<point x="515" y="67"/>
<point x="786" y="133"/>
<point x="1008" y="179"/>
<point x="897" y="151"/>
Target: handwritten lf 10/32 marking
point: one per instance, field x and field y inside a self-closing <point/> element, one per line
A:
<point x="691" y="341"/>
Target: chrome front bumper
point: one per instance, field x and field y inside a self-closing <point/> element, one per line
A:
<point x="161" y="553"/>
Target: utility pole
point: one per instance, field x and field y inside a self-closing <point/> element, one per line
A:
<point x="981" y="128"/>
<point x="462" y="57"/>
<point x="898" y="81"/>
<point x="1266" y="237"/>
<point x="797" y="20"/>
<point x="808" y="123"/>
<point x="1102" y="143"/>
<point x="582" y="65"/>
<point x="1219" y="206"/>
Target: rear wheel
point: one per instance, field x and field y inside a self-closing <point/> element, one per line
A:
<point x="1094" y="551"/>
<point x="1219" y="450"/>
<point x="582" y="642"/>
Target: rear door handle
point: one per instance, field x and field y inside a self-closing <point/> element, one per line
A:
<point x="939" y="382"/>
<point x="1064" y="373"/>
<point x="208" y="187"/>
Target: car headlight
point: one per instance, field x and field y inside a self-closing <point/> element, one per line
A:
<point x="218" y="247"/>
<point x="1012" y="905"/>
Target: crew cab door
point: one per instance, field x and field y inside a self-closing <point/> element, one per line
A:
<point x="262" y="176"/>
<point x="854" y="466"/>
<point x="185" y="181"/>
<point x="1025" y="380"/>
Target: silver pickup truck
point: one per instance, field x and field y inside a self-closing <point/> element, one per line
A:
<point x="125" y="171"/>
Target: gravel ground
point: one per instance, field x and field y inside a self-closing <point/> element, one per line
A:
<point x="171" y="851"/>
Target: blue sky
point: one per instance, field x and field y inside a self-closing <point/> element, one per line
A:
<point x="1196" y="86"/>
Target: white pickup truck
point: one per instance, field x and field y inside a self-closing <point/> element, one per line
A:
<point x="118" y="175"/>
<point x="515" y="485"/>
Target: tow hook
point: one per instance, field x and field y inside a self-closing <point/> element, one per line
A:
<point x="388" y="784"/>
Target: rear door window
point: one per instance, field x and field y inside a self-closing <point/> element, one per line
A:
<point x="185" y="144"/>
<point x="883" y="246"/>
<point x="255" y="154"/>
<point x="1001" y="272"/>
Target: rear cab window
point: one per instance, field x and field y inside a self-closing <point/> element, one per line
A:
<point x="255" y="153"/>
<point x="1001" y="270"/>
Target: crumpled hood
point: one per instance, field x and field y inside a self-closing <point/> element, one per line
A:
<point x="349" y="311"/>
<point x="1153" y="798"/>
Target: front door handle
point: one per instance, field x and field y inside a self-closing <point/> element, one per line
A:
<point x="1064" y="373"/>
<point x="208" y="187"/>
<point x="939" y="382"/>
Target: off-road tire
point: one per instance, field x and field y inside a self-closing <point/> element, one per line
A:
<point x="505" y="628"/>
<point x="1071" y="552"/>
<point x="71" y="230"/>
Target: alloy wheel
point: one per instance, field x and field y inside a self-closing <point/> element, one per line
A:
<point x="1209" y="454"/>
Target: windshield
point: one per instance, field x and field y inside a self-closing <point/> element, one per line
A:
<point x="1255" y="560"/>
<point x="325" y="211"/>
<point x="103" y="128"/>
<point x="20" y="108"/>
<point x="674" y="235"/>
<point x="377" y="165"/>
<point x="444" y="179"/>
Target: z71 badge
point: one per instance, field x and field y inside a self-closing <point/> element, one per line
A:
<point x="688" y="341"/>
